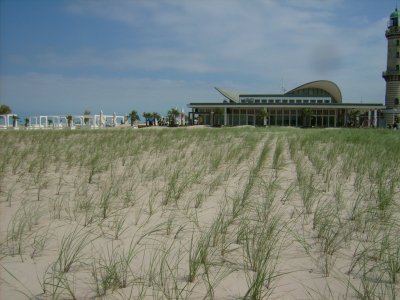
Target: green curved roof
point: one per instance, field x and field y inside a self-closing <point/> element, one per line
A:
<point x="395" y="14"/>
<point x="330" y="87"/>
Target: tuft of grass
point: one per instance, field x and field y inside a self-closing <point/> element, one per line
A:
<point x="113" y="271"/>
<point x="262" y="244"/>
<point x="21" y="223"/>
<point x="71" y="248"/>
<point x="105" y="200"/>
<point x="308" y="191"/>
<point x="278" y="160"/>
<point x="198" y="254"/>
<point x="39" y="242"/>
<point x="56" y="284"/>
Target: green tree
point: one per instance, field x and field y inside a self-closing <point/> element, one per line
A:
<point x="173" y="113"/>
<point x="354" y="117"/>
<point x="156" y="116"/>
<point x="69" y="119"/>
<point x="4" y="109"/>
<point x="307" y="114"/>
<point x="134" y="116"/>
<point x="15" y="120"/>
<point x="264" y="114"/>
<point x="86" y="115"/>
<point x="146" y="116"/>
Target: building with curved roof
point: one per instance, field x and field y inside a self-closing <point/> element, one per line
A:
<point x="314" y="104"/>
<point x="317" y="103"/>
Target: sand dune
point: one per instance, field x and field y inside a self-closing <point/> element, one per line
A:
<point x="199" y="214"/>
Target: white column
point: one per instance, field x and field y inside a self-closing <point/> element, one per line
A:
<point x="15" y="123"/>
<point x="375" y="118"/>
<point x="322" y="118"/>
<point x="101" y="119"/>
<point x="369" y="118"/>
<point x="56" y="121"/>
<point x="265" y="121"/>
<point x="336" y="114"/>
<point x="182" y="117"/>
<point x="41" y="125"/>
<point x="225" y="116"/>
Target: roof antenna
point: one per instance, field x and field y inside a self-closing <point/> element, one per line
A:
<point x="283" y="87"/>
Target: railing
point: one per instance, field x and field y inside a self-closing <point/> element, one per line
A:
<point x="393" y="30"/>
<point x="390" y="73"/>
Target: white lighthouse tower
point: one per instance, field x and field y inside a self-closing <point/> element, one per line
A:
<point x="392" y="73"/>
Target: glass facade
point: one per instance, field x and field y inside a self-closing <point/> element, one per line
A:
<point x="277" y="116"/>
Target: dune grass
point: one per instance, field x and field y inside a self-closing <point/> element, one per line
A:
<point x="237" y="213"/>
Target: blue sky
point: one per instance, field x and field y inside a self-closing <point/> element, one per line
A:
<point x="62" y="57"/>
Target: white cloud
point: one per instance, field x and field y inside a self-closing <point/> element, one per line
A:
<point x="126" y="59"/>
<point x="230" y="36"/>
<point x="242" y="45"/>
<point x="264" y="38"/>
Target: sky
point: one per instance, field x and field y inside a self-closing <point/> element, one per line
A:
<point x="67" y="56"/>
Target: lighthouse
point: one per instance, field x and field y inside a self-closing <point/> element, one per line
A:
<point x="392" y="73"/>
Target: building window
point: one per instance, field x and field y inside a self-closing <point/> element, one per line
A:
<point x="397" y="67"/>
<point x="398" y="43"/>
<point x="396" y="101"/>
<point x="397" y="54"/>
<point x="271" y="101"/>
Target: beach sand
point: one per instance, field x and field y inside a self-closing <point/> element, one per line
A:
<point x="159" y="214"/>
